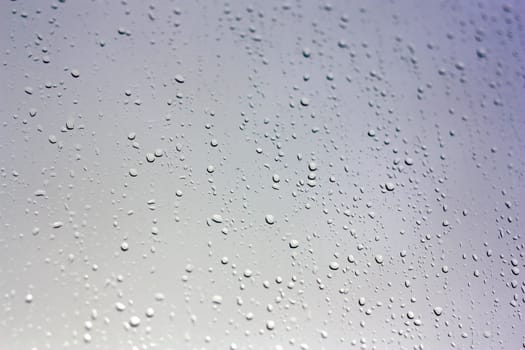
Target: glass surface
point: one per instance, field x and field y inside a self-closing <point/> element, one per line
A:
<point x="262" y="175"/>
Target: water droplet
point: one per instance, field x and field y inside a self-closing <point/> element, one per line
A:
<point x="150" y="312"/>
<point x="134" y="321"/>
<point x="307" y="52"/>
<point x="438" y="311"/>
<point x="179" y="78"/>
<point x="305" y="101"/>
<point x="334" y="266"/>
<point x="87" y="338"/>
<point x="29" y="298"/>
<point x="216" y="218"/>
<point x="312" y="166"/>
<point x="124" y="246"/>
<point x="150" y="157"/>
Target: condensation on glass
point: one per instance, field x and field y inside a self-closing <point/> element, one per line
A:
<point x="262" y="175"/>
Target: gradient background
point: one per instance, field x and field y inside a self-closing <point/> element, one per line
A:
<point x="437" y="82"/>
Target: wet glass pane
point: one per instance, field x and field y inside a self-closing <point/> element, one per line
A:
<point x="262" y="175"/>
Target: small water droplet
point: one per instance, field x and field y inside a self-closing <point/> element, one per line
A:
<point x="134" y="321"/>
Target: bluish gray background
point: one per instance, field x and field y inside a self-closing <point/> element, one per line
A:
<point x="407" y="149"/>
